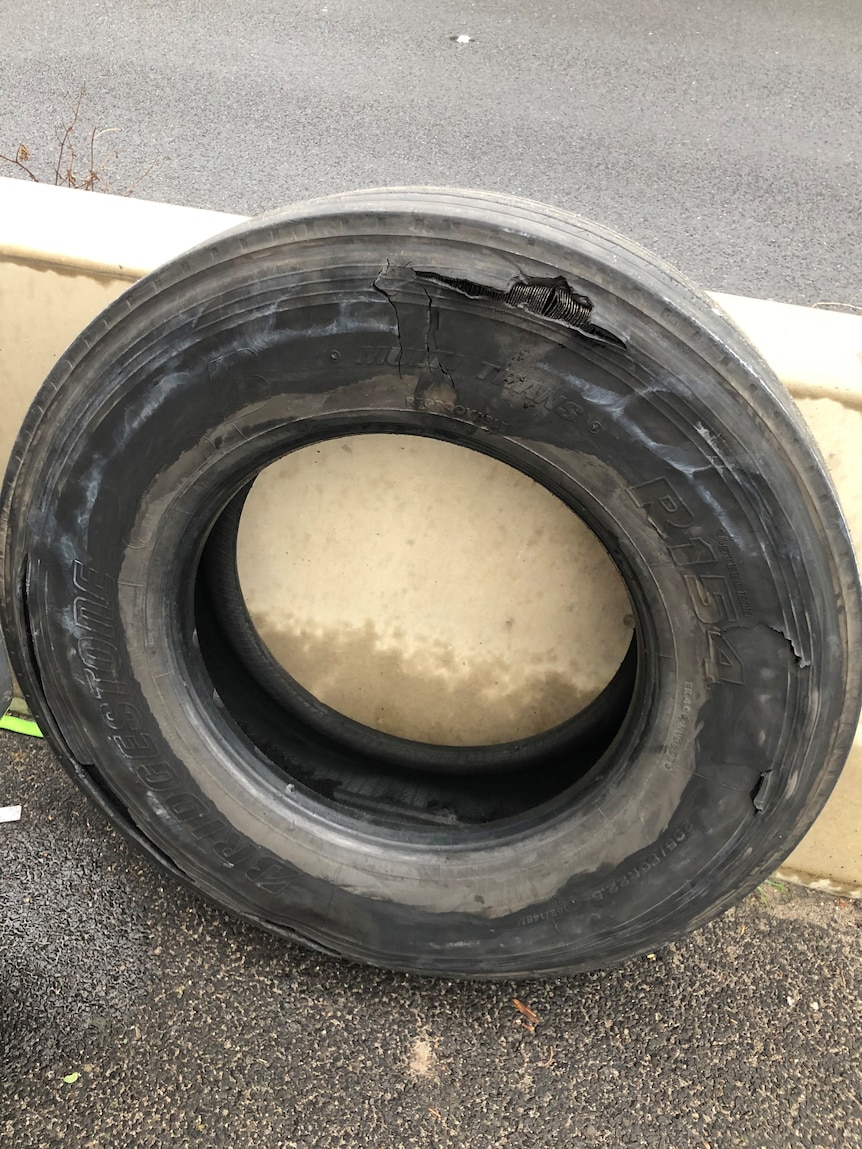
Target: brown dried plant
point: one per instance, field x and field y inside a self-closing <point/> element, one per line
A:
<point x="75" y="167"/>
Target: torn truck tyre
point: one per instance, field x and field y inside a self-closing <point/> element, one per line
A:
<point x="556" y="347"/>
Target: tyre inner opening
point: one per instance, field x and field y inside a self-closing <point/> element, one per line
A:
<point x="415" y="621"/>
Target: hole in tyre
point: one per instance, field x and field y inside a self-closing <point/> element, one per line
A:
<point x="489" y="637"/>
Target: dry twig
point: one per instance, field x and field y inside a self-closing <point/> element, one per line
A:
<point x="532" y="1019"/>
<point x="21" y="154"/>
<point x="66" y="172"/>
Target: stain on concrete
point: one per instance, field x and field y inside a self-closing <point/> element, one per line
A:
<point x="428" y="693"/>
<point x="430" y="591"/>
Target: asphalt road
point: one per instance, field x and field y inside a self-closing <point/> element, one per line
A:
<point x="727" y="135"/>
<point x="185" y="1028"/>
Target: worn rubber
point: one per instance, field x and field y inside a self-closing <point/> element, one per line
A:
<point x="555" y="346"/>
<point x="5" y="677"/>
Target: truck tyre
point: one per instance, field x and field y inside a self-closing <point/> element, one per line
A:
<point x="508" y="328"/>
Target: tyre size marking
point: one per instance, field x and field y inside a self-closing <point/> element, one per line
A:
<point x="94" y="620"/>
<point x="558" y="909"/>
<point x="714" y="598"/>
<point x="663" y="849"/>
<point x="680" y="727"/>
<point x="515" y="388"/>
<point x="483" y="419"/>
<point x="723" y="539"/>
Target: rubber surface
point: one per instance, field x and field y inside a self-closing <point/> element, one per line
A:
<point x="560" y="349"/>
<point x="5" y="677"/>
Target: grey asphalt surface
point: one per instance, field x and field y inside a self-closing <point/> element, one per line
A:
<point x="189" y="1029"/>
<point x="727" y="137"/>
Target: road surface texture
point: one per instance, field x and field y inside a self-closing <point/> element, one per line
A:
<point x="728" y="137"/>
<point x="181" y="1027"/>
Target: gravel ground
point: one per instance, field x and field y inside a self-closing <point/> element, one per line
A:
<point x="181" y="1027"/>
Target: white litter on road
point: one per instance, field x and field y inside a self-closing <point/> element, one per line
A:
<point x="10" y="813"/>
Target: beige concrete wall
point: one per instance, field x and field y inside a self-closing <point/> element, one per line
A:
<point x="41" y="310"/>
<point x="426" y="590"/>
<point x="430" y="591"/>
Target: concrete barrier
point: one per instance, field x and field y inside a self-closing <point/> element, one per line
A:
<point x="420" y="587"/>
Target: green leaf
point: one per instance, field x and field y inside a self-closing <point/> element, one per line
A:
<point x="71" y="1078"/>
